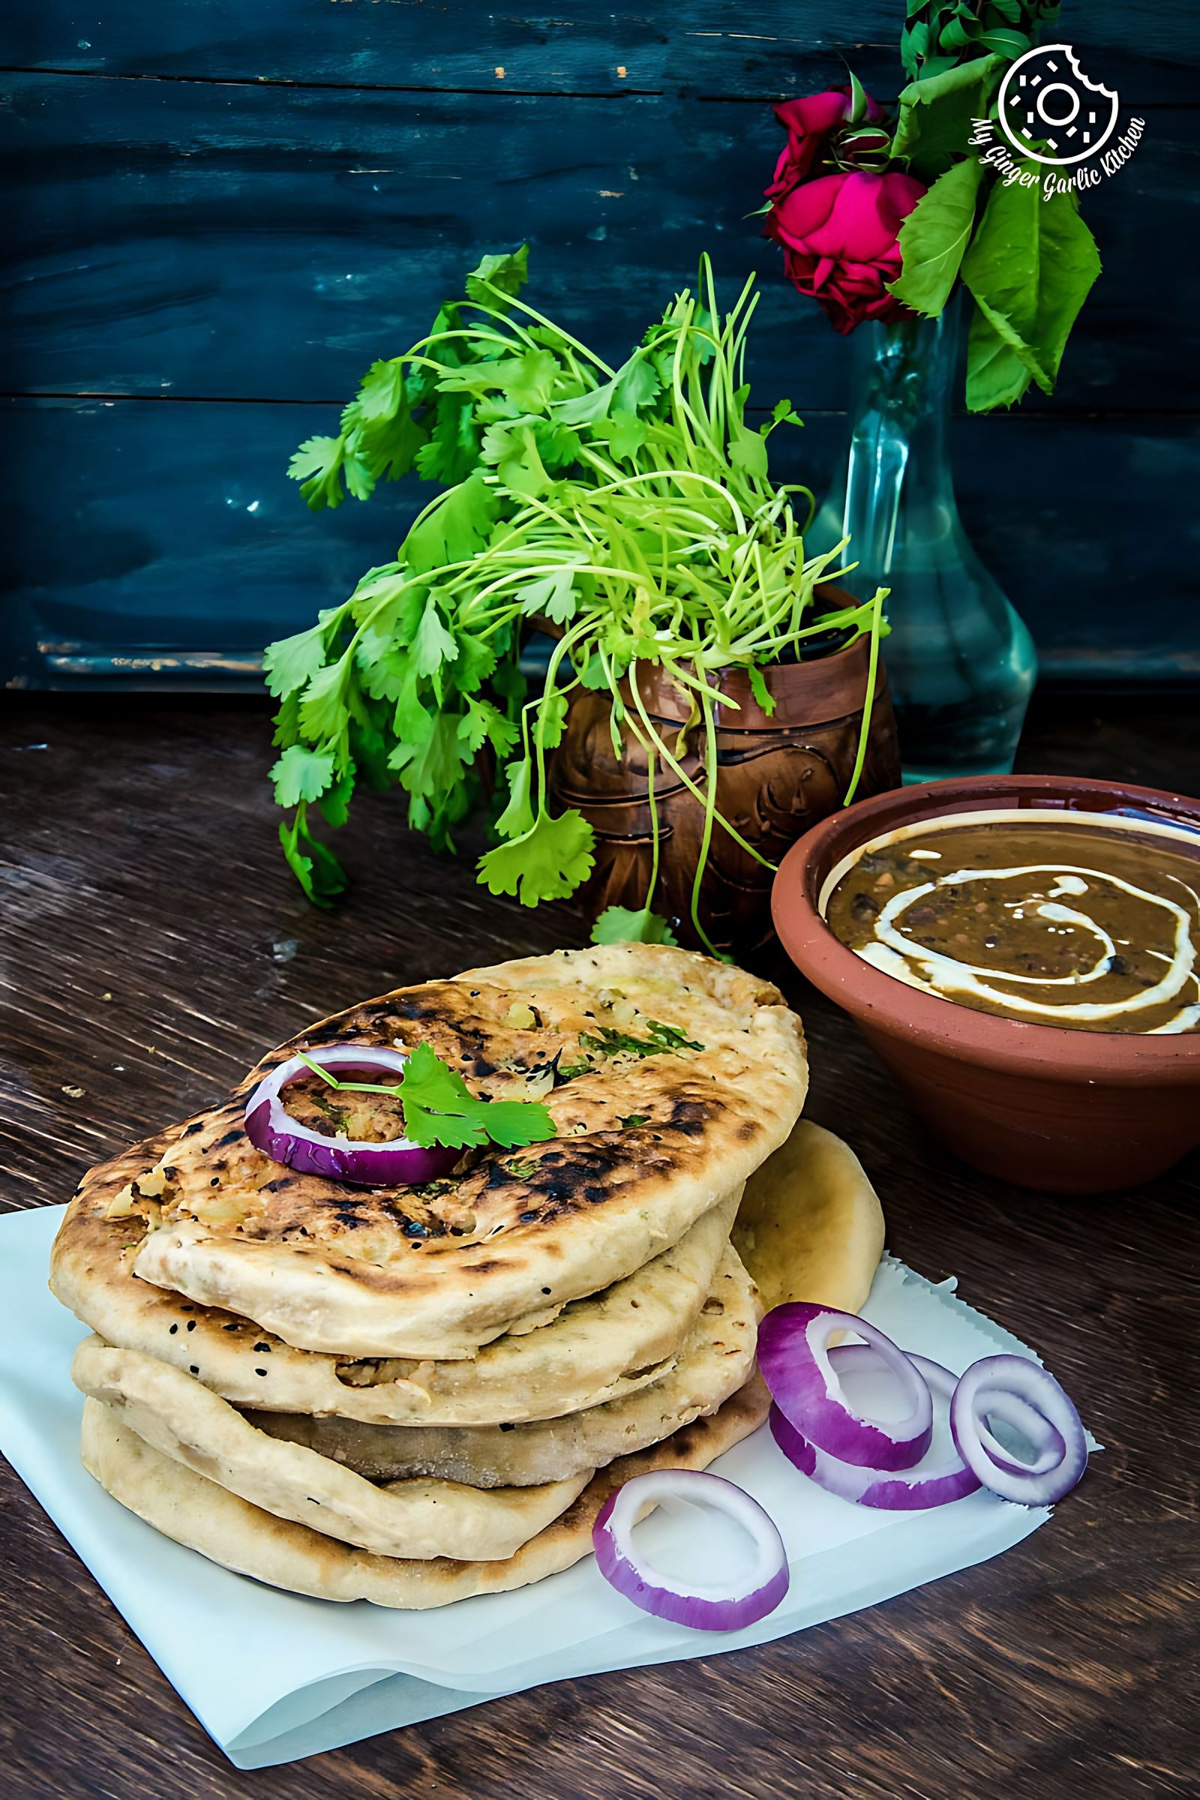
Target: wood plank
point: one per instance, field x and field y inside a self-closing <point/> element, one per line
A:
<point x="161" y="527"/>
<point x="764" y="47"/>
<point x="157" y="945"/>
<point x="224" y="241"/>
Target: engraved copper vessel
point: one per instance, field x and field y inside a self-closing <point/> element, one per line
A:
<point x="777" y="776"/>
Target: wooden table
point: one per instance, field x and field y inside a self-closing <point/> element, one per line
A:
<point x="153" y="944"/>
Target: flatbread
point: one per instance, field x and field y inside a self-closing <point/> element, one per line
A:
<point x="810" y="1226"/>
<point x="646" y="1145"/>
<point x="716" y="1360"/>
<point x="196" y="1512"/>
<point x="180" y="1418"/>
<point x="598" y="1349"/>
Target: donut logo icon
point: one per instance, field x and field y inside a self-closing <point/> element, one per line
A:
<point x="1050" y="111"/>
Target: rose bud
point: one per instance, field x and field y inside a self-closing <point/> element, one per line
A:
<point x="839" y="239"/>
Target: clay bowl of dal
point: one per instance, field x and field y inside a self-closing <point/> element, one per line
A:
<point x="1105" y="1103"/>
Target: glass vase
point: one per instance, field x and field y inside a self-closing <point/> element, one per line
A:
<point x="961" y="663"/>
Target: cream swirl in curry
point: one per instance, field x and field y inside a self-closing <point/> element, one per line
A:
<point x="1081" y="920"/>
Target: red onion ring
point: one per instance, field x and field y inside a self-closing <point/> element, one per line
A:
<point x="793" y="1355"/>
<point x="933" y="1482"/>
<point x="991" y="1387"/>
<point x="705" y="1606"/>
<point x="396" y="1163"/>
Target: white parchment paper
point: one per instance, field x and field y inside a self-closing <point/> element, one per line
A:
<point x="275" y="1676"/>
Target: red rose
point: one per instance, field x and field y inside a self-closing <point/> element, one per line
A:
<point x="809" y="124"/>
<point x="839" y="240"/>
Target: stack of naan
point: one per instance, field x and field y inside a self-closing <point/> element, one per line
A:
<point x="411" y="1395"/>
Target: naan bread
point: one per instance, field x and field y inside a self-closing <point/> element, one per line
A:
<point x="716" y="1360"/>
<point x="646" y="1145"/>
<point x="598" y="1349"/>
<point x="196" y="1512"/>
<point x="810" y="1226"/>
<point x="420" y="1519"/>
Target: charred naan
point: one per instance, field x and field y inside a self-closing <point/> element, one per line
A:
<point x="599" y="1348"/>
<point x="715" y="1361"/>
<point x="670" y="1077"/>
<point x="196" y="1512"/>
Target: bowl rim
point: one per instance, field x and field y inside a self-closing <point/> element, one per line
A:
<point x="881" y="1002"/>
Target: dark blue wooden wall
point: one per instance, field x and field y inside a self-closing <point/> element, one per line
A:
<point x="219" y="211"/>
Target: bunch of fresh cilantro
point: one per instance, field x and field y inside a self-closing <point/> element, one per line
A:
<point x="628" y="510"/>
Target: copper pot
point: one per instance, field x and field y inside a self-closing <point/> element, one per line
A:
<point x="777" y="776"/>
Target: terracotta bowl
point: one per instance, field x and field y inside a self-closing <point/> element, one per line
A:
<point x="1064" y="1111"/>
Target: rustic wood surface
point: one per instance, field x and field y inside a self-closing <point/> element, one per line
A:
<point x="151" y="944"/>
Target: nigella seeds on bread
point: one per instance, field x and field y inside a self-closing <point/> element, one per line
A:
<point x="673" y="1077"/>
<point x="414" y="1393"/>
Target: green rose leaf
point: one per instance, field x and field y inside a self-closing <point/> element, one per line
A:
<point x="996" y="376"/>
<point x="934" y="237"/>
<point x="1030" y="266"/>
<point x="935" y="114"/>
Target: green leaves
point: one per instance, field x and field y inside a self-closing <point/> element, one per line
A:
<point x="548" y="862"/>
<point x="507" y="273"/>
<point x="291" y="662"/>
<point x="301" y="774"/>
<point x="454" y="528"/>
<point x="621" y="925"/>
<point x="433" y="644"/>
<point x="935" y="115"/>
<point x="315" y="867"/>
<point x="934" y="237"/>
<point x="439" y="1108"/>
<point x="1030" y="267"/>
<point x="554" y="596"/>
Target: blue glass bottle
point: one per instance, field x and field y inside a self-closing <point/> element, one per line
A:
<point x="961" y="663"/>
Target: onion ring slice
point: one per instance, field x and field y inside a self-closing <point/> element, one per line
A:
<point x="398" y="1162"/>
<point x="794" y="1356"/>
<point x="996" y="1386"/>
<point x="707" y="1606"/>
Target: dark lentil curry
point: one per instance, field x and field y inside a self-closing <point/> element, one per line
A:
<point x="1027" y="915"/>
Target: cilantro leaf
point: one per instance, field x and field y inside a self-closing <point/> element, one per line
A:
<point x="439" y="1108"/>
<point x="548" y="862"/>
<point x="517" y="817"/>
<point x="529" y="380"/>
<point x="323" y="710"/>
<point x="291" y="662"/>
<point x="454" y="529"/>
<point x="508" y="272"/>
<point x="317" y="465"/>
<point x="433" y="644"/>
<point x="482" y="722"/>
<point x="319" y="872"/>
<point x="434" y="762"/>
<point x="554" y="595"/>
<point x="620" y="925"/>
<point x="301" y="774"/>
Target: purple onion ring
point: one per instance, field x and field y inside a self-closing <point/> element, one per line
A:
<point x="931" y="1483"/>
<point x="703" y="1606"/>
<point x="998" y="1386"/>
<point x="793" y="1354"/>
<point x="396" y="1163"/>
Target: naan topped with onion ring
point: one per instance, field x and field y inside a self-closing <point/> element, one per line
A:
<point x="649" y="1139"/>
